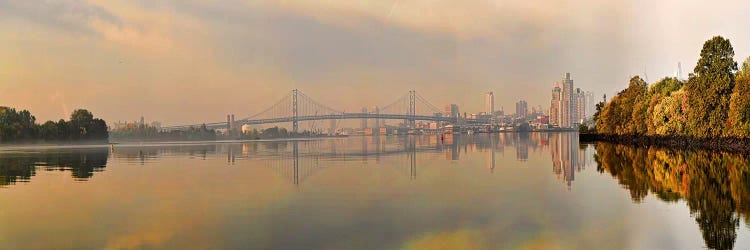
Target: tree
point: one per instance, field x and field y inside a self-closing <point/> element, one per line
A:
<point x="80" y="121"/>
<point x="617" y="116"/>
<point x="638" y="124"/>
<point x="15" y="126"/>
<point x="667" y="116"/>
<point x="49" y="131"/>
<point x="665" y="86"/>
<point x="739" y="104"/>
<point x="709" y="88"/>
<point x="664" y="110"/>
<point x="81" y="116"/>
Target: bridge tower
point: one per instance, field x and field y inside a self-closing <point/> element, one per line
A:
<point x="295" y="122"/>
<point x="412" y="107"/>
<point x="377" y="120"/>
<point x="364" y="120"/>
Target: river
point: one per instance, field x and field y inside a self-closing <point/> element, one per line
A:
<point x="499" y="191"/>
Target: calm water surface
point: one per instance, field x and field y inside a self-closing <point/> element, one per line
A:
<point x="507" y="191"/>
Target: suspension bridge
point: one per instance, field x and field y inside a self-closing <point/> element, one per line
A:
<point x="297" y="107"/>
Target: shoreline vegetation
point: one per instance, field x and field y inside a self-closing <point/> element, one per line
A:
<point x="721" y="144"/>
<point x="20" y="127"/>
<point x="147" y="133"/>
<point x="710" y="110"/>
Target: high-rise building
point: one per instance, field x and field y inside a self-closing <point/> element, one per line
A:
<point x="489" y="103"/>
<point x="590" y="106"/>
<point x="580" y="108"/>
<point x="568" y="116"/>
<point x="451" y="110"/>
<point x="554" y="109"/>
<point x="522" y="109"/>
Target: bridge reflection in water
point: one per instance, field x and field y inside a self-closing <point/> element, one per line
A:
<point x="714" y="186"/>
<point x="299" y="159"/>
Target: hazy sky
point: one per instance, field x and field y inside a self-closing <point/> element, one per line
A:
<point x="186" y="61"/>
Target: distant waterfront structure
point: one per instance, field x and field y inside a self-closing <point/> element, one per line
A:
<point x="120" y="125"/>
<point x="332" y="126"/>
<point x="245" y="129"/>
<point x="522" y="109"/>
<point x="489" y="103"/>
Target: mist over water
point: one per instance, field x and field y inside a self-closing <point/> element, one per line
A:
<point x="501" y="191"/>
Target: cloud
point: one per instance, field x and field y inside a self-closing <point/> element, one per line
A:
<point x="465" y="19"/>
<point x="184" y="54"/>
<point x="72" y="16"/>
<point x="103" y="20"/>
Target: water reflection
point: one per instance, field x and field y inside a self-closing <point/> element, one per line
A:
<point x="297" y="160"/>
<point x="715" y="186"/>
<point x="430" y="181"/>
<point x="22" y="166"/>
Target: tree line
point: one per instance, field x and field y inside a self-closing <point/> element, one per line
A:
<point x="21" y="126"/>
<point x="151" y="133"/>
<point x="713" y="102"/>
<point x="275" y="133"/>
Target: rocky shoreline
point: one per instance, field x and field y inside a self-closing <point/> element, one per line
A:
<point x="724" y="144"/>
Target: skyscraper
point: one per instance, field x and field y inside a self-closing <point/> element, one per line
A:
<point x="580" y="108"/>
<point x="451" y="110"/>
<point x="568" y="103"/>
<point x="489" y="103"/>
<point x="522" y="109"/>
<point x="590" y="106"/>
<point x="554" y="109"/>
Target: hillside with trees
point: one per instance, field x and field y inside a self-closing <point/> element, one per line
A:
<point x="714" y="102"/>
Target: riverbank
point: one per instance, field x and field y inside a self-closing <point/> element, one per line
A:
<point x="724" y="144"/>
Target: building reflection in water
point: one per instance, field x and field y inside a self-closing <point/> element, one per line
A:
<point x="297" y="160"/>
<point x="565" y="156"/>
<point x="715" y="186"/>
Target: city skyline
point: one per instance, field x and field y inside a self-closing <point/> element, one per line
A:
<point x="195" y="61"/>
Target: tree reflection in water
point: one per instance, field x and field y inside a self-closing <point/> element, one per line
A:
<point x="82" y="163"/>
<point x="715" y="185"/>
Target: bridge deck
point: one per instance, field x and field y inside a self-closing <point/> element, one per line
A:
<point x="344" y="116"/>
